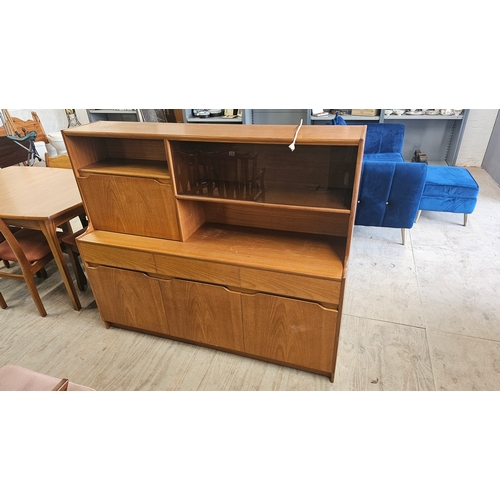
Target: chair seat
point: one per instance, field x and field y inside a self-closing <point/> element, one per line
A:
<point x="70" y="239"/>
<point x="32" y="242"/>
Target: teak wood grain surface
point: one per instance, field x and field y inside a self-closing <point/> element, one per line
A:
<point x="176" y="247"/>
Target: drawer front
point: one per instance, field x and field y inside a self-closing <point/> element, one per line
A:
<point x="140" y="206"/>
<point x="197" y="270"/>
<point x="291" y="331"/>
<point x="290" y="285"/>
<point x="128" y="298"/>
<point x="117" y="257"/>
<point x="208" y="314"/>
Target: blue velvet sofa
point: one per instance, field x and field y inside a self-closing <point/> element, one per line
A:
<point x="393" y="193"/>
<point x="390" y="189"/>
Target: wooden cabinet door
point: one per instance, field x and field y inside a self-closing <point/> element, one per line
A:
<point x="128" y="298"/>
<point x="131" y="205"/>
<point x="292" y="331"/>
<point x="203" y="313"/>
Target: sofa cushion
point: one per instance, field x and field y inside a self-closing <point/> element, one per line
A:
<point x="389" y="193"/>
<point x="384" y="138"/>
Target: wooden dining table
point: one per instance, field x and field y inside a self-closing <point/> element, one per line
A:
<point x="42" y="198"/>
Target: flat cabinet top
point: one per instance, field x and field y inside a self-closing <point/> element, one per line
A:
<point x="259" y="134"/>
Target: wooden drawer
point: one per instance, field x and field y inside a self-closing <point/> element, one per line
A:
<point x="98" y="254"/>
<point x="128" y="298"/>
<point x="208" y="314"/>
<point x="291" y="331"/>
<point x="291" y="285"/>
<point x="197" y="270"/>
<point x="131" y="205"/>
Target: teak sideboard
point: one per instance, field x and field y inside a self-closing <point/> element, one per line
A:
<point x="221" y="236"/>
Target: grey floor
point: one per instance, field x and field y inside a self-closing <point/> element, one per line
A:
<point x="425" y="316"/>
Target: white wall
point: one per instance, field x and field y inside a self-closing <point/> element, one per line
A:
<point x="476" y="137"/>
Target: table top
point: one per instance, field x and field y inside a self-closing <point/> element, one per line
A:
<point x="37" y="193"/>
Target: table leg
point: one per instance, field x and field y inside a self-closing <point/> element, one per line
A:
<point x="49" y="230"/>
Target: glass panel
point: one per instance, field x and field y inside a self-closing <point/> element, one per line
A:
<point x="316" y="176"/>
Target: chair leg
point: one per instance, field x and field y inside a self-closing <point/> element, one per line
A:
<point x="466" y="219"/>
<point x="6" y="263"/>
<point x="3" y="304"/>
<point x="403" y="235"/>
<point x="30" y="282"/>
<point x="418" y="216"/>
<point x="81" y="280"/>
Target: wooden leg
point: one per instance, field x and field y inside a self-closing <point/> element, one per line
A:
<point x="81" y="280"/>
<point x="49" y="230"/>
<point x="466" y="219"/>
<point x="403" y="235"/>
<point x="418" y="216"/>
<point x="6" y="263"/>
<point x="3" y="304"/>
<point x="30" y="282"/>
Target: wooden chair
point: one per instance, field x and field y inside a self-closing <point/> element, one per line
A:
<point x="14" y="125"/>
<point x="29" y="248"/>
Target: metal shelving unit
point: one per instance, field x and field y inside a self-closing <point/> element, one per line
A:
<point x="438" y="136"/>
<point x="117" y="115"/>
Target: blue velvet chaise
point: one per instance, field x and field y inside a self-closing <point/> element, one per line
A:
<point x="393" y="192"/>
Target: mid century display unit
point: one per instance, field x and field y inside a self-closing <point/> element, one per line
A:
<point x="221" y="236"/>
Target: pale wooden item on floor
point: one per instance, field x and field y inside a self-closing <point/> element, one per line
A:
<point x="60" y="161"/>
<point x="189" y="241"/>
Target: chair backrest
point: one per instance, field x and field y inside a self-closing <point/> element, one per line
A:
<point x="384" y="138"/>
<point x="390" y="193"/>
<point x="16" y="125"/>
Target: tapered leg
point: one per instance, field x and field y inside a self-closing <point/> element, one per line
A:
<point x="403" y="235"/>
<point x="466" y="219"/>
<point x="418" y="216"/>
<point x="3" y="304"/>
<point x="34" y="293"/>
<point x="49" y="230"/>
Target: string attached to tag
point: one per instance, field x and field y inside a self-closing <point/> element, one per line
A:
<point x="292" y="146"/>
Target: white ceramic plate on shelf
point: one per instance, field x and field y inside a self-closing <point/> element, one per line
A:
<point x="414" y="112"/>
<point x="432" y="112"/>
